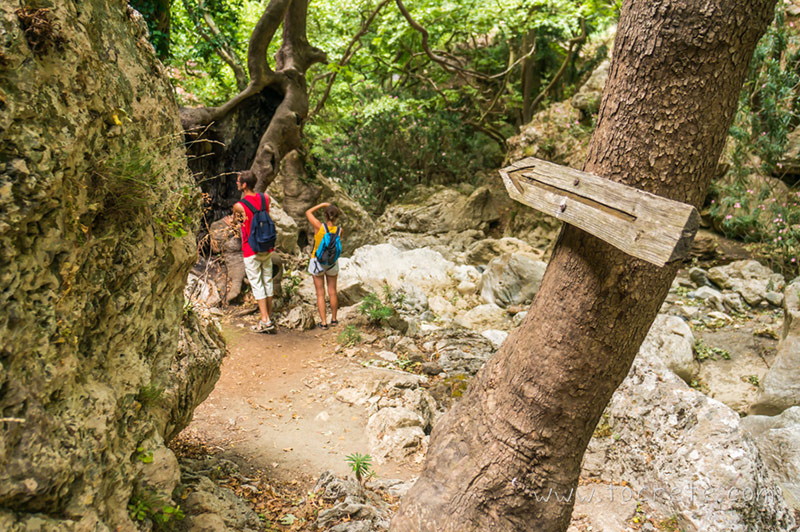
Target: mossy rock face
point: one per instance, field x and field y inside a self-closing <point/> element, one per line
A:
<point x="96" y="238"/>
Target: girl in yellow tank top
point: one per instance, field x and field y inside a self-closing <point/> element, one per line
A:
<point x="324" y="277"/>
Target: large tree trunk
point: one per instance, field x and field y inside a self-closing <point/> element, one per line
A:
<point x="524" y="425"/>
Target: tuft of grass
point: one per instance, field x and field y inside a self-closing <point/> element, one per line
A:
<point x="703" y="352"/>
<point x="349" y="336"/>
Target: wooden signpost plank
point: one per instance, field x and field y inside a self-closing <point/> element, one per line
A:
<point x="644" y="225"/>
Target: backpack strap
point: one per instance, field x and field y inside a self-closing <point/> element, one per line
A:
<point x="248" y="204"/>
<point x="327" y="231"/>
<point x="252" y="208"/>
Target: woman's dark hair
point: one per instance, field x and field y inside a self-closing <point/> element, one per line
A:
<point x="332" y="213"/>
<point x="248" y="178"/>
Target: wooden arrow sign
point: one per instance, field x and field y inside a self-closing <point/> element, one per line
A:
<point x="641" y="224"/>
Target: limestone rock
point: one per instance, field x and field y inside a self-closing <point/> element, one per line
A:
<point x="484" y="317"/>
<point x="483" y="251"/>
<point x="685" y="454"/>
<point x="93" y="266"/>
<point x="441" y="211"/>
<point x="395" y="433"/>
<point x="202" y="292"/>
<point x="747" y="277"/>
<point x="671" y="340"/>
<point x="587" y="99"/>
<point x="357" y="508"/>
<point x="780" y="388"/>
<point x="778" y="440"/>
<point x="495" y="336"/>
<point x="458" y="351"/>
<point x="286" y="229"/>
<point x="512" y="279"/>
<point x="300" y="317"/>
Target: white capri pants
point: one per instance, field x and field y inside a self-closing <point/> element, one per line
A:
<point x="259" y="272"/>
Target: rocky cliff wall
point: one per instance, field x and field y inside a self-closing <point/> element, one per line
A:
<point x="96" y="220"/>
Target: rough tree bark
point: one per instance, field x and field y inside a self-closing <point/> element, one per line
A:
<point x="524" y="425"/>
<point x="256" y="128"/>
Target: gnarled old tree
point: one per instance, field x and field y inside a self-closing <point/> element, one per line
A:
<point x="256" y="128"/>
<point x="522" y="429"/>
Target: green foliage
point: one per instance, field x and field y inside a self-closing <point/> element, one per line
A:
<point x="291" y="283"/>
<point x="144" y="456"/>
<point x="131" y="184"/>
<point x="393" y="118"/>
<point x="385" y="148"/>
<point x="374" y="309"/>
<point x="147" y="505"/>
<point x="149" y="394"/>
<point x="744" y="206"/>
<point x="156" y="15"/>
<point x="751" y="379"/>
<point x="361" y="465"/>
<point x="704" y="352"/>
<point x="349" y="336"/>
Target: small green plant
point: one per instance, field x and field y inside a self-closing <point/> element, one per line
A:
<point x="145" y="457"/>
<point x="404" y="363"/>
<point x="374" y="309"/>
<point x="703" y="352"/>
<point x="149" y="394"/>
<point x="291" y="283"/>
<point x="349" y="336"/>
<point x="148" y="505"/>
<point x="751" y="379"/>
<point x="361" y="464"/>
<point x="669" y="525"/>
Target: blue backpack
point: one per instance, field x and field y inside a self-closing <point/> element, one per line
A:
<point x="329" y="248"/>
<point x="262" y="229"/>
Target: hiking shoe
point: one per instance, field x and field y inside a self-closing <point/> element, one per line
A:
<point x="267" y="327"/>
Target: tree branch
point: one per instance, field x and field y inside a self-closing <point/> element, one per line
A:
<point x="223" y="50"/>
<point x="348" y="54"/>
<point x="573" y="46"/>
<point x="434" y="56"/>
<point x="262" y="35"/>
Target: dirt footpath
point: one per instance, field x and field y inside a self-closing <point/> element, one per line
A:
<point x="274" y="407"/>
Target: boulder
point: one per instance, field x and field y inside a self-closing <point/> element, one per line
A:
<point x="396" y="433"/>
<point x="484" y="317"/>
<point x="457" y="350"/>
<point x="201" y="291"/>
<point x="709" y="296"/>
<point x="588" y="97"/>
<point x="685" y="454"/>
<point x="778" y="440"/>
<point x="749" y="278"/>
<point x="671" y="340"/>
<point x="441" y="210"/>
<point x="512" y="279"/>
<point x="96" y="240"/>
<point x="495" y="336"/>
<point x="483" y="251"/>
<point x="286" y="228"/>
<point x="356" y="509"/>
<point x="780" y="388"/>
<point x="300" y="317"/>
